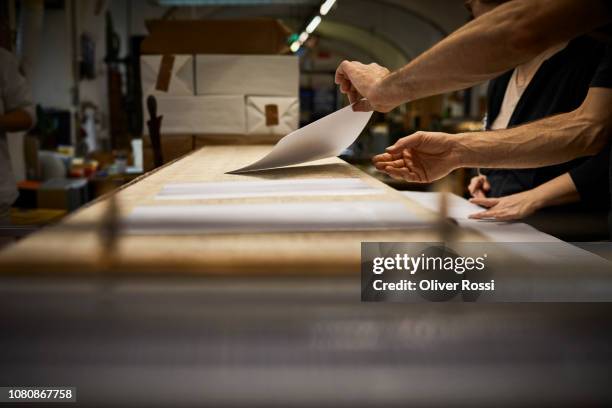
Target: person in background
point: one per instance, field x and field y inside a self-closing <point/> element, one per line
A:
<point x="16" y="114"/>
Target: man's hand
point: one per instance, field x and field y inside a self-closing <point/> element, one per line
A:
<point x="360" y="81"/>
<point x="422" y="157"/>
<point x="479" y="186"/>
<point x="512" y="207"/>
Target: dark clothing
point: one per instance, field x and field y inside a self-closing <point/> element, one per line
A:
<point x="603" y="75"/>
<point x="560" y="85"/>
<point x="592" y="178"/>
<point x="591" y="181"/>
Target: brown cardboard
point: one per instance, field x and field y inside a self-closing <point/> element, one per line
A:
<point x="62" y="194"/>
<point x="271" y="115"/>
<point x="165" y="73"/>
<point x="238" y="36"/>
<point x="173" y="147"/>
<point x="217" y="140"/>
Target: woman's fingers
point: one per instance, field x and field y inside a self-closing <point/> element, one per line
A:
<point x="486" y="186"/>
<point x="475" y="184"/>
<point x="488" y="214"/>
<point x="479" y="194"/>
<point x="485" y="202"/>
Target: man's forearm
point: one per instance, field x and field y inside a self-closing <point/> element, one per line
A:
<point x="492" y="44"/>
<point x="16" y="121"/>
<point x="549" y="141"/>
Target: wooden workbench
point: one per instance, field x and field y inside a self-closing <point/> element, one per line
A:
<point x="74" y="245"/>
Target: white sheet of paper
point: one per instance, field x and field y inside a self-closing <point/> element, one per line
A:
<point x="327" y="137"/>
<point x="266" y="188"/>
<point x="458" y="207"/>
<point x="277" y="217"/>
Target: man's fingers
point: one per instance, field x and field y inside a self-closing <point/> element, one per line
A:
<point x="402" y="174"/>
<point x="405" y="143"/>
<point x="362" y="105"/>
<point x="345" y="86"/>
<point x="354" y="96"/>
<point x="485" y="202"/>
<point x="385" y="157"/>
<point x="340" y="73"/>
<point x="394" y="163"/>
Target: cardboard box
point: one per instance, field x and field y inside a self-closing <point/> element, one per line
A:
<point x="63" y="194"/>
<point x="273" y="75"/>
<point x="237" y="36"/>
<point x="273" y="115"/>
<point x="224" y="114"/>
<point x="173" y="147"/>
<point x="219" y="140"/>
<point x="177" y="80"/>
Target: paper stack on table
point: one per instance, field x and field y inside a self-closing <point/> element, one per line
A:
<point x="267" y="188"/>
<point x="272" y="217"/>
<point x="327" y="137"/>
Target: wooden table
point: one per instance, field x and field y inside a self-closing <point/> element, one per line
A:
<point x="222" y="338"/>
<point x="75" y="244"/>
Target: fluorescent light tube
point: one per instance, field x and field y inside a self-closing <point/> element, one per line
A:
<point x="326" y="6"/>
<point x="313" y="24"/>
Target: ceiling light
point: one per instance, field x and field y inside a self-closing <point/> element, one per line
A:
<point x="313" y="24"/>
<point x="295" y="46"/>
<point x="326" y="6"/>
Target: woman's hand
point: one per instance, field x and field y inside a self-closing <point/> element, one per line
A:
<point x="512" y="207"/>
<point x="479" y="186"/>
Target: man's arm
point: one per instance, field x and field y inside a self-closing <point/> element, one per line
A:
<point x="553" y="140"/>
<point x="428" y="156"/>
<point x="498" y="41"/>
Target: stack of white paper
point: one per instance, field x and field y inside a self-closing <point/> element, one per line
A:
<point x="281" y="217"/>
<point x="266" y="188"/>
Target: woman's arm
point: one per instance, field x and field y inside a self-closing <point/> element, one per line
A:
<point x="558" y="191"/>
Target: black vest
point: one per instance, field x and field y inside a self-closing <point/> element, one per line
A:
<point x="560" y="85"/>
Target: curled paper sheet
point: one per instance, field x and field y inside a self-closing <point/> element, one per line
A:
<point x="327" y="137"/>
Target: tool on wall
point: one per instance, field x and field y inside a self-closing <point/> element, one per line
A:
<point x="154" y="125"/>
